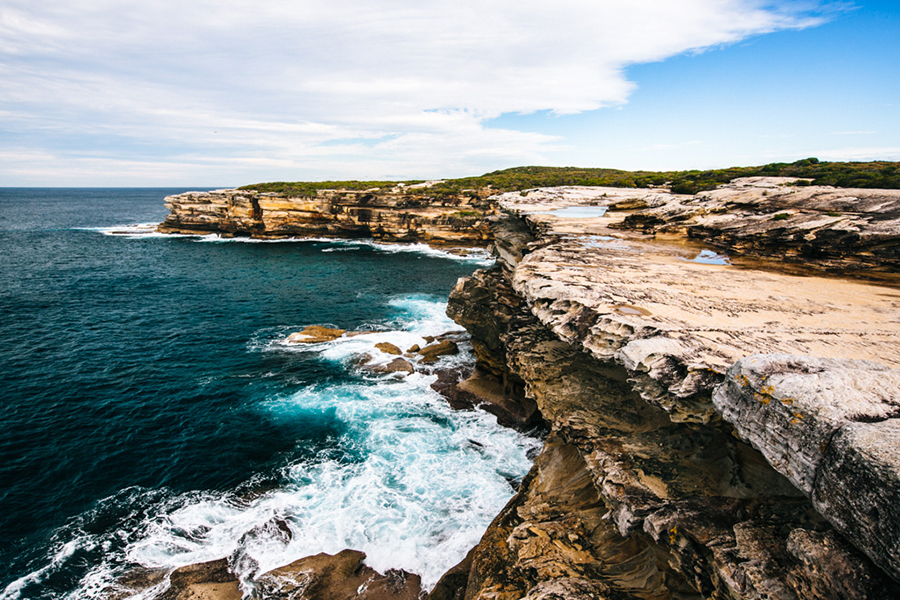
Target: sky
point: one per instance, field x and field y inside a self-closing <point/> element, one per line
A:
<point x="215" y="93"/>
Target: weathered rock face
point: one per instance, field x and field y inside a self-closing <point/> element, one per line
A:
<point x="398" y="215"/>
<point x="839" y="229"/>
<point x="342" y="576"/>
<point x="833" y="428"/>
<point x="643" y="491"/>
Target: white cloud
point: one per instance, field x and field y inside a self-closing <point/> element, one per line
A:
<point x="236" y="80"/>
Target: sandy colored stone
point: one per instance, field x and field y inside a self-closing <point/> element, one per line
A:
<point x="313" y="334"/>
<point x="679" y="325"/>
<point x="389" y="348"/>
<point x="440" y="348"/>
<point x="398" y="365"/>
<point x="400" y="214"/>
<point x="204" y="581"/>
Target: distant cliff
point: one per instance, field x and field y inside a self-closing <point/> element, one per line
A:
<point x="398" y="214"/>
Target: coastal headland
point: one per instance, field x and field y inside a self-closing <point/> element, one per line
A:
<point x="717" y="371"/>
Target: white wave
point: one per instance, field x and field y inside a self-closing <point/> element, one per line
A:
<point x="420" y="316"/>
<point x="14" y="590"/>
<point x="477" y="256"/>
<point x="135" y="230"/>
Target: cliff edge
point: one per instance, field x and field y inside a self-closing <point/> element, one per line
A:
<point x="721" y="425"/>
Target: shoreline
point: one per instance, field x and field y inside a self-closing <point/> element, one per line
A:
<point x="598" y="327"/>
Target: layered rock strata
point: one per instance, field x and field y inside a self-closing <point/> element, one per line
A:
<point x="618" y="341"/>
<point x="401" y="214"/>
<point x="843" y="230"/>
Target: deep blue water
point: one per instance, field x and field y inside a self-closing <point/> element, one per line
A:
<point x="151" y="417"/>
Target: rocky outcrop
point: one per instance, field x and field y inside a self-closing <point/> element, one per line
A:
<point x="833" y="428"/>
<point x="619" y="342"/>
<point x="341" y="576"/>
<point x="400" y="214"/>
<point x="843" y="230"/>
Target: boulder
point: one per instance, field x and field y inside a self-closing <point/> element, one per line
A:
<point x="398" y="365"/>
<point x="313" y="334"/>
<point x="431" y="352"/>
<point x="389" y="348"/>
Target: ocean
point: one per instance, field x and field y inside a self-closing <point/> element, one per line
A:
<point x="151" y="415"/>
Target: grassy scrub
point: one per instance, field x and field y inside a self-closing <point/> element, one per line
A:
<point x="879" y="174"/>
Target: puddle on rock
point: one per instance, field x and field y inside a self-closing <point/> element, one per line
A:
<point x="708" y="257"/>
<point x="577" y="212"/>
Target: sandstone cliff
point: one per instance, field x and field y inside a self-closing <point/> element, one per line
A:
<point x="400" y="214"/>
<point x="696" y="448"/>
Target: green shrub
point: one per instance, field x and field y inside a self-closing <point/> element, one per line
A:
<point x="878" y="174"/>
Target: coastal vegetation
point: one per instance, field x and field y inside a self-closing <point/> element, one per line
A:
<point x="878" y="174"/>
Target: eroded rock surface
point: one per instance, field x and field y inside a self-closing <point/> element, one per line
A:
<point x="840" y="229"/>
<point x="618" y="342"/>
<point x="833" y="428"/>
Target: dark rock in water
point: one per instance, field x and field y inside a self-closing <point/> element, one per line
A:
<point x="398" y="365"/>
<point x="447" y="386"/>
<point x="205" y="581"/>
<point x="342" y="576"/>
<point x="465" y="388"/>
<point x="137" y="580"/>
<point x="274" y="530"/>
<point x="389" y="348"/>
<point x="413" y="349"/>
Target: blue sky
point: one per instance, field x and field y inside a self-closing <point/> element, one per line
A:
<point x="228" y="92"/>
